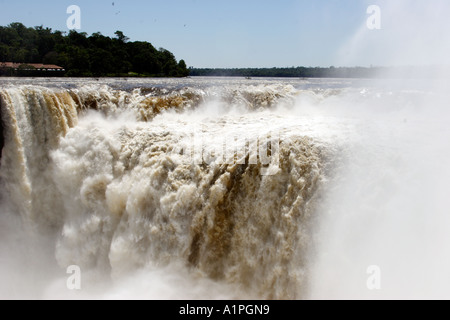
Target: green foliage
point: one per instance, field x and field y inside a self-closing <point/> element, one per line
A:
<point x="182" y="68"/>
<point x="121" y="37"/>
<point x="52" y="57"/>
<point x="83" y="55"/>
<point x="294" y="72"/>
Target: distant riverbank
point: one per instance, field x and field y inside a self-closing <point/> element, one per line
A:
<point x="320" y="72"/>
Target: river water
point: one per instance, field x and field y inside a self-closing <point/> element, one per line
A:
<point x="224" y="188"/>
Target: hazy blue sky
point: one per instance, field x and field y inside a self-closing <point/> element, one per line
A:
<point x="261" y="33"/>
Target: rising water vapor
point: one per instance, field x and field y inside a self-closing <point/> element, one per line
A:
<point x="388" y="207"/>
<point x="413" y="33"/>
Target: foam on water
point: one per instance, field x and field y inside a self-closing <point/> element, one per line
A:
<point x="107" y="177"/>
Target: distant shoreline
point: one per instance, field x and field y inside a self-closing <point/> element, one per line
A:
<point x="287" y="73"/>
<point x="320" y="72"/>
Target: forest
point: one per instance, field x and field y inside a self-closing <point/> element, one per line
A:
<point x="330" y="72"/>
<point x="87" y="56"/>
<point x="292" y="72"/>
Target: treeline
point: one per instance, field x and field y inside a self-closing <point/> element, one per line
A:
<point x="294" y="72"/>
<point x="331" y="72"/>
<point x="82" y="55"/>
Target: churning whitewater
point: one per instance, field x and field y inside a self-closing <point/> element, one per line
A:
<point x="187" y="189"/>
<point x="120" y="190"/>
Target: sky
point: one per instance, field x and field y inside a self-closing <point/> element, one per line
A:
<point x="261" y="33"/>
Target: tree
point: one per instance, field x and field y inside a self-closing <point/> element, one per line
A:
<point x="169" y="62"/>
<point x="79" y="61"/>
<point x="83" y="55"/>
<point x="78" y="39"/>
<point x="21" y="55"/>
<point x="146" y="62"/>
<point x="19" y="28"/>
<point x="4" y="53"/>
<point x="101" y="62"/>
<point x="182" y="69"/>
<point x="51" y="57"/>
<point x="121" y="37"/>
<point x="34" y="56"/>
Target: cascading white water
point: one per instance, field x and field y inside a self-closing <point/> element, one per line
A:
<point x="108" y="180"/>
<point x="113" y="188"/>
